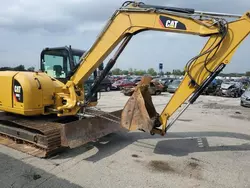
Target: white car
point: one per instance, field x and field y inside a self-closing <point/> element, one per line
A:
<point x="245" y="98"/>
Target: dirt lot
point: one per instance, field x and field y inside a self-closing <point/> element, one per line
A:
<point x="209" y="146"/>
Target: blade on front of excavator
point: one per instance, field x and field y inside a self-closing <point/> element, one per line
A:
<point x="139" y="112"/>
<point x="80" y="132"/>
<point x="44" y="136"/>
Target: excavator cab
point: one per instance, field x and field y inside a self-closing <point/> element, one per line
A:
<point x="61" y="62"/>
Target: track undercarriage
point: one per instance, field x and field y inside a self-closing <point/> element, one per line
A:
<point x="45" y="136"/>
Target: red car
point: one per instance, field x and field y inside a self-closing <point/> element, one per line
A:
<point x="122" y="83"/>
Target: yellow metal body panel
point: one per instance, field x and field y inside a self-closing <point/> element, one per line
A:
<point x="6" y="89"/>
<point x="27" y="93"/>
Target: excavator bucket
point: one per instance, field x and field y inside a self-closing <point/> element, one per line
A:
<point x="139" y="112"/>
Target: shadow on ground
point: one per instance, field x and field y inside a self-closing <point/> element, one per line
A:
<point x="174" y="143"/>
<point x="17" y="174"/>
<point x="198" y="143"/>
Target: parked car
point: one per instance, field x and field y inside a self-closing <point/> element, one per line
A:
<point x="122" y="83"/>
<point x="173" y="86"/>
<point x="245" y="83"/>
<point x="136" y="79"/>
<point x="245" y="98"/>
<point x="163" y="80"/>
<point x="213" y="87"/>
<point x="155" y="88"/>
<point x="104" y="86"/>
<point x="230" y="89"/>
<point x="166" y="83"/>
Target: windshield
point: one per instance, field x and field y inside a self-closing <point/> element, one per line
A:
<point x="56" y="63"/>
<point x="55" y="66"/>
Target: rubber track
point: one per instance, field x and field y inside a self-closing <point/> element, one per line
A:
<point x="51" y="131"/>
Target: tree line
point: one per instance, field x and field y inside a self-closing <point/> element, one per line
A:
<point x="18" y="68"/>
<point x="177" y="72"/>
<point x="131" y="71"/>
<point x="140" y="72"/>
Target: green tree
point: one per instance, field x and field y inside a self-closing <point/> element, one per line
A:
<point x="161" y="73"/>
<point x="125" y="72"/>
<point x="140" y="72"/>
<point x="116" y="71"/>
<point x="32" y="69"/>
<point x="130" y="71"/>
<point x="178" y="72"/>
<point x="19" y="68"/>
<point x="5" y="68"/>
<point x="248" y="73"/>
<point x="168" y="73"/>
<point x="152" y="72"/>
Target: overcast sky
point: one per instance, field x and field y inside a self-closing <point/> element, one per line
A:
<point x="28" y="26"/>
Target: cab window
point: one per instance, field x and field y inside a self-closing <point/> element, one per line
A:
<point x="53" y="66"/>
<point x="76" y="59"/>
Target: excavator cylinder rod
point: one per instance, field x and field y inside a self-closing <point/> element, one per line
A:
<point x="218" y="14"/>
<point x="183" y="10"/>
<point x="173" y="9"/>
<point x="201" y="88"/>
<point x="108" y="67"/>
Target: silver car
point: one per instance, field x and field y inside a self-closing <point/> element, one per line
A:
<point x="245" y="98"/>
<point x="231" y="89"/>
<point x="173" y="86"/>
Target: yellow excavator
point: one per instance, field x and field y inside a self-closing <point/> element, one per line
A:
<point x="46" y="113"/>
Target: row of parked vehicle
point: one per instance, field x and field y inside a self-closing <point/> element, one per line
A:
<point x="226" y="88"/>
<point x="218" y="87"/>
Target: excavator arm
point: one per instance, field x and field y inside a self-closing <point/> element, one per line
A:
<point x="132" y="18"/>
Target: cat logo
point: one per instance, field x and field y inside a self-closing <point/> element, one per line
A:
<point x="171" y="23"/>
<point x="168" y="22"/>
<point x="17" y="89"/>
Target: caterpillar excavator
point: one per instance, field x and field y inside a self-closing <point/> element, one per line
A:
<point x="43" y="113"/>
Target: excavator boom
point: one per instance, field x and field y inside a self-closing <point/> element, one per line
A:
<point x="224" y="37"/>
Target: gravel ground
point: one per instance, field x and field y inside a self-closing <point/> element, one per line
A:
<point x="209" y="146"/>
